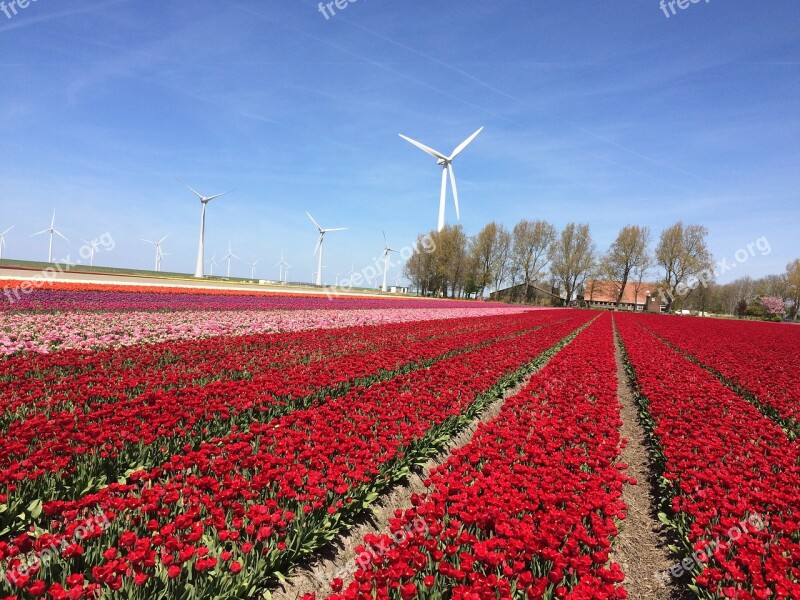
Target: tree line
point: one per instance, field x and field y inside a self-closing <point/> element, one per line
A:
<point x="534" y="255"/>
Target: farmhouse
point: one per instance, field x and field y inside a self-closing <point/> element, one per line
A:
<point x="640" y="297"/>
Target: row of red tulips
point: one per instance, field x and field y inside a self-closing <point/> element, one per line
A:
<point x="730" y="476"/>
<point x="44" y="382"/>
<point x="758" y="359"/>
<point x="222" y="520"/>
<point x="73" y="448"/>
<point x="528" y="508"/>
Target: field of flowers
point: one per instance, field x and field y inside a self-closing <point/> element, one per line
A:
<point x="165" y="443"/>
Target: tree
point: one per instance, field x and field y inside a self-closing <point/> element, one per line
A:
<point x="483" y="250"/>
<point x="774" y="305"/>
<point x="529" y="255"/>
<point x="572" y="257"/>
<point x="683" y="253"/>
<point x="451" y="258"/>
<point x="627" y="258"/>
<point x="793" y="286"/>
<point x="502" y="254"/>
<point x="420" y="268"/>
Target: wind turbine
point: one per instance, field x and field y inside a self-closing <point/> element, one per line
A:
<point x="212" y="263"/>
<point x="282" y="264"/>
<point x="253" y="269"/>
<point x="386" y="251"/>
<point x="3" y="240"/>
<point x="228" y="257"/>
<point x="93" y="246"/>
<point x="159" y="254"/>
<point x="51" y="230"/>
<point x="446" y="162"/>
<point x="319" y="247"/>
<point x="286" y="273"/>
<point x="203" y="200"/>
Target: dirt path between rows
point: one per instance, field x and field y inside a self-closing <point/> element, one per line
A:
<point x="641" y="546"/>
<point x="338" y="560"/>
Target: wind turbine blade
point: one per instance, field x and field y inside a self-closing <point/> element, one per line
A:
<point x="319" y="243"/>
<point x="313" y="221"/>
<point x="149" y="241"/>
<point x="53" y="222"/>
<point x="7" y="230"/>
<point x="59" y="234"/>
<point x="385" y="241"/>
<point x="161" y="241"/>
<point x="455" y="190"/>
<point x="424" y="148"/>
<point x="41" y="232"/>
<point x="464" y="144"/>
<point x="336" y="229"/>
<point x="194" y="191"/>
<point x="219" y="195"/>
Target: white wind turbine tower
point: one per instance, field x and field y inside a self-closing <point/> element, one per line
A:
<point x="320" y="242"/>
<point x="51" y="230"/>
<point x="253" y="269"/>
<point x="212" y="263"/>
<point x="203" y="200"/>
<point x="228" y="257"/>
<point x="159" y="253"/>
<point x="92" y="247"/>
<point x="3" y="240"/>
<point x="286" y="273"/>
<point x="446" y="162"/>
<point x="283" y="264"/>
<point x="386" y="251"/>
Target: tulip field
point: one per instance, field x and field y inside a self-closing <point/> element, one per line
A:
<point x="176" y="443"/>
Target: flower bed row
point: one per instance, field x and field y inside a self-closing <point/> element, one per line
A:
<point x="729" y="477"/>
<point x="71" y="451"/>
<point x="20" y="296"/>
<point x="22" y="333"/>
<point x="759" y="360"/>
<point x="222" y="520"/>
<point x="528" y="508"/>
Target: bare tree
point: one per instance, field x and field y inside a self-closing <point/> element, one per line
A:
<point x="628" y="254"/>
<point x="502" y="255"/>
<point x="793" y="286"/>
<point x="683" y="253"/>
<point x="572" y="256"/>
<point x="483" y="248"/>
<point x="530" y="252"/>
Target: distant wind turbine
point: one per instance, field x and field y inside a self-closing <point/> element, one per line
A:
<point x="3" y="240"/>
<point x="92" y="247"/>
<point x="283" y="264"/>
<point x="203" y="200"/>
<point x="51" y="230"/>
<point x="228" y="257"/>
<point x="320" y="243"/>
<point x="386" y="251"/>
<point x="253" y="269"/>
<point x="159" y="253"/>
<point x="286" y="274"/>
<point x="446" y="162"/>
<point x="212" y="263"/>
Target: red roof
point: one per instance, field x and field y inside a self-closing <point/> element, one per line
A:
<point x="607" y="291"/>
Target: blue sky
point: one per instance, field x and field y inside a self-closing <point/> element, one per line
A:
<point x="601" y="112"/>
